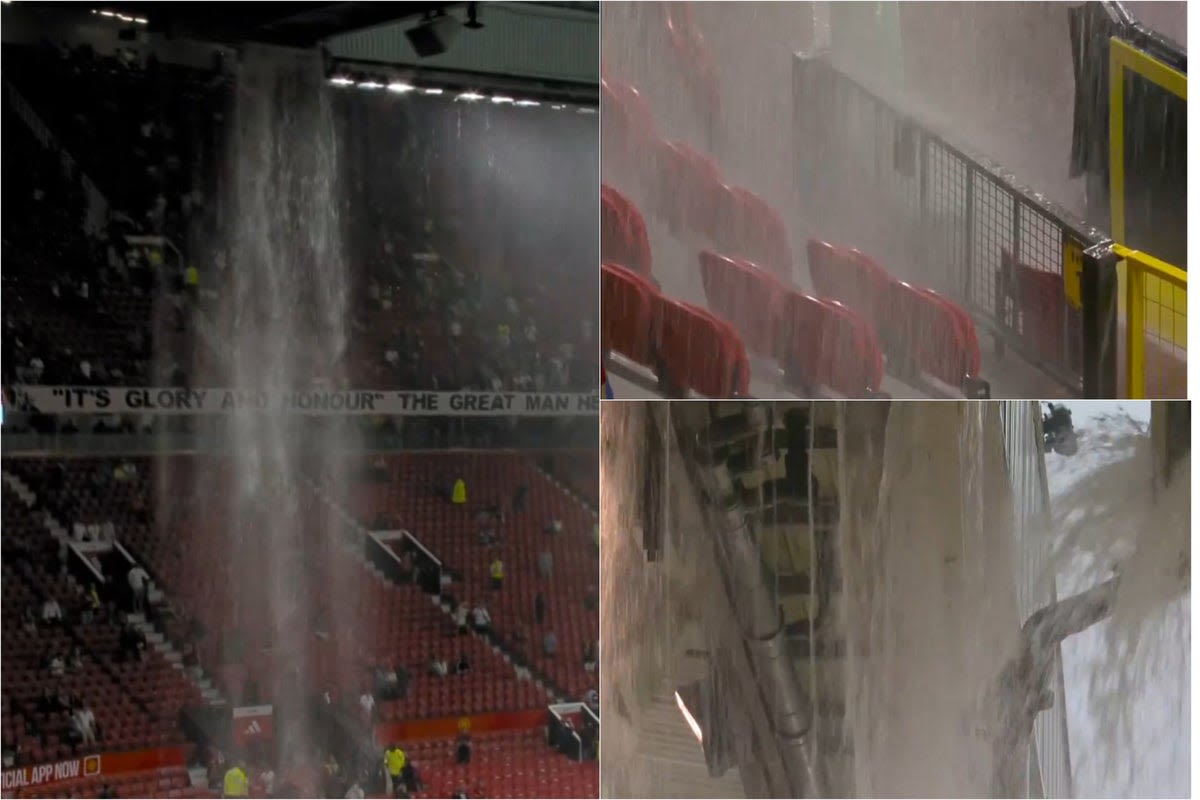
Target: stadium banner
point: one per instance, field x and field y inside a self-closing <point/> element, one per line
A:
<point x="72" y="769"/>
<point x="253" y="723"/>
<point x="142" y="400"/>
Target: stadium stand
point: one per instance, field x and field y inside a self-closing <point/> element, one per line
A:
<point x="105" y="152"/>
<point x="411" y="500"/>
<point x="838" y="342"/>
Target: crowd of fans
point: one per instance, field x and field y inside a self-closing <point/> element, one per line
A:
<point x="107" y="152"/>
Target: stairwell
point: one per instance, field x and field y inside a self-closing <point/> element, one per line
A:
<point x="155" y="638"/>
<point x="521" y="673"/>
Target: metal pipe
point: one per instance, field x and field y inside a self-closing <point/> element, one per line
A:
<point x="756" y="609"/>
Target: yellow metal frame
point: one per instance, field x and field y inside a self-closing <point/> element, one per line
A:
<point x="1146" y="275"/>
<point x="1141" y="266"/>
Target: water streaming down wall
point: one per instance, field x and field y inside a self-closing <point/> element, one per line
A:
<point x="283" y="313"/>
<point x="931" y="613"/>
<point x="1049" y="773"/>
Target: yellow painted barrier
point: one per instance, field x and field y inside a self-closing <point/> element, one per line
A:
<point x="1154" y="293"/>
<point x="1155" y="311"/>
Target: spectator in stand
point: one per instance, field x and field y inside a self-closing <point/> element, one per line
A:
<point x="236" y="783"/>
<point x="53" y="663"/>
<point x="550" y="644"/>
<point x="539" y="608"/>
<point x="51" y="612"/>
<point x="385" y="683"/>
<point x="355" y="792"/>
<point x="546" y="564"/>
<point x="107" y="792"/>
<point x="332" y="779"/>
<point x="460" y="793"/>
<point x="75" y="659"/>
<point x="29" y="620"/>
<point x="395" y="761"/>
<point x="132" y="643"/>
<point x="481" y="620"/>
<point x="458" y="495"/>
<point x="438" y="667"/>
<point x="267" y="780"/>
<point x="589" y="657"/>
<point x="139" y="581"/>
<point x="460" y="617"/>
<point x="462" y="750"/>
<point x="86" y="722"/>
<point x="497" y="572"/>
<point x="591" y="699"/>
<point x="555" y="526"/>
<point x="463" y="666"/>
<point x="366" y="702"/>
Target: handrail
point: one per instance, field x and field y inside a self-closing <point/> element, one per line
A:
<point x="1140" y="264"/>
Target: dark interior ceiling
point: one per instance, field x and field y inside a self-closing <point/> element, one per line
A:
<point x="300" y="25"/>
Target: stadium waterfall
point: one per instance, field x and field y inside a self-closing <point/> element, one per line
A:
<point x="286" y="314"/>
<point x="955" y="604"/>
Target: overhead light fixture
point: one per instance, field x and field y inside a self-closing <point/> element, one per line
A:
<point x="118" y="16"/>
<point x="434" y="35"/>
<point x="341" y="80"/>
<point x="469" y="97"/>
<point x="400" y="87"/>
<point x="499" y="99"/>
<point x="586" y="110"/>
<point x="370" y="85"/>
<point x="433" y="90"/>
<point x="527" y="103"/>
<point x="558" y="106"/>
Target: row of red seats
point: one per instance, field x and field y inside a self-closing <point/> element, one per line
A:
<point x="823" y="343"/>
<point x="689" y="348"/>
<point x="923" y="331"/>
<point x="623" y="238"/>
<point x="693" y="198"/>
<point x="504" y="764"/>
<point x="819" y="343"/>
<point x="410" y="500"/>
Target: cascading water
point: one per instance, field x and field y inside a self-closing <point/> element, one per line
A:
<point x="932" y="614"/>
<point x="951" y="685"/>
<point x="1128" y="679"/>
<point x="283" y="314"/>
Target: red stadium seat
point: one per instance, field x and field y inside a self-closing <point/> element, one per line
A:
<point x="628" y="130"/>
<point x="747" y="297"/>
<point x="752" y="229"/>
<point x="688" y="189"/>
<point x="623" y="238"/>
<point x="628" y="323"/>
<point x="830" y="345"/>
<point x="1045" y="321"/>
<point x="923" y="325"/>
<point x="700" y="353"/>
<point x="848" y="276"/>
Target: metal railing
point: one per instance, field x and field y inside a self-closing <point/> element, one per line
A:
<point x="1155" y="312"/>
<point x="933" y="213"/>
<point x="1154" y="292"/>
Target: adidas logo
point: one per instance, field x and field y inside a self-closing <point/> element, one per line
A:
<point x="253" y="728"/>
